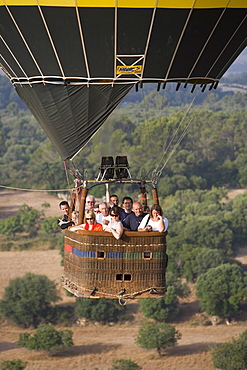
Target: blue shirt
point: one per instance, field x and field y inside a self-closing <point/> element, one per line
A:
<point x="132" y="221"/>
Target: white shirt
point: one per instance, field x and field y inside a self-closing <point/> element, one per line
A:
<point x="152" y="223"/>
<point x="100" y="218"/>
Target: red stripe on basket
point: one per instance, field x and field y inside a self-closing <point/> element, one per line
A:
<point x="68" y="248"/>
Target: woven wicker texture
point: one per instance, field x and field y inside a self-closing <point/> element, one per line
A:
<point x="96" y="261"/>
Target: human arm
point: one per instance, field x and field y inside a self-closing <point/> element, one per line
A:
<point x="118" y="232"/>
<point x="161" y="224"/>
<point x="144" y="224"/>
<point x="166" y="223"/>
<point x="148" y="228"/>
<point x="65" y="224"/>
<point x="78" y="227"/>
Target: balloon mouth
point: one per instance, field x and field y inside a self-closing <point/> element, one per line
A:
<point x="58" y="80"/>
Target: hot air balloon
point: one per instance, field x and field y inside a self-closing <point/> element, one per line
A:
<point x="73" y="62"/>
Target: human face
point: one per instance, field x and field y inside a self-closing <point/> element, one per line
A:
<point x="114" y="200"/>
<point x="155" y="215"/>
<point x="90" y="220"/>
<point x="114" y="216"/>
<point x="104" y="210"/>
<point x="137" y="209"/>
<point x="65" y="209"/>
<point x="90" y="203"/>
<point x="74" y="218"/>
<point x="127" y="205"/>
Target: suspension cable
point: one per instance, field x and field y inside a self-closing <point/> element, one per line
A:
<point x="174" y="135"/>
<point x="159" y="118"/>
<point x="147" y="122"/>
<point x="157" y="174"/>
<point x="66" y="173"/>
<point x="32" y="190"/>
<point x="176" y="145"/>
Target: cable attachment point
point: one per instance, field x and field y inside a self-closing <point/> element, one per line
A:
<point x="93" y="291"/>
<point x="122" y="292"/>
<point x="122" y="301"/>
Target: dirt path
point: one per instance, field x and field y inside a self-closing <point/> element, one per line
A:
<point x="232" y="193"/>
<point x="16" y="264"/>
<point x="10" y="201"/>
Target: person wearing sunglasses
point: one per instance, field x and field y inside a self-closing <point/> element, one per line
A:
<point x="96" y="209"/>
<point x="115" y="226"/>
<point x="89" y="223"/>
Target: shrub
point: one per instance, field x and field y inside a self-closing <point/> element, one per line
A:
<point x="46" y="338"/>
<point x="16" y="364"/>
<point x="26" y="300"/>
<point x="163" y="308"/>
<point x="182" y="290"/>
<point x="49" y="226"/>
<point x="102" y="310"/>
<point x="6" y="247"/>
<point x="157" y="335"/>
<point x="232" y="355"/>
<point x="27" y="220"/>
<point x="221" y="290"/>
<point x="60" y="315"/>
<point x="45" y="205"/>
<point x="209" y="258"/>
<point x="123" y="364"/>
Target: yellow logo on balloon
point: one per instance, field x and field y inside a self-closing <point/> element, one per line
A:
<point x="129" y="70"/>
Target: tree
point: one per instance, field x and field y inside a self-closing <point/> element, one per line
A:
<point x="123" y="364"/>
<point x="102" y="310"/>
<point x="49" y="226"/>
<point x="11" y="226"/>
<point x="46" y="338"/>
<point x="182" y="290"/>
<point x="231" y="355"/>
<point x="157" y="335"/>
<point x="25" y="221"/>
<point x="26" y="300"/>
<point x="29" y="217"/>
<point x="221" y="290"/>
<point x="16" y="364"/>
<point x="209" y="258"/>
<point x="163" y="308"/>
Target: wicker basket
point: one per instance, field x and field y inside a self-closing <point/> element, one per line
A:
<point x="97" y="265"/>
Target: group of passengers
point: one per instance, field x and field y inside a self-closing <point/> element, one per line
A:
<point x="115" y="219"/>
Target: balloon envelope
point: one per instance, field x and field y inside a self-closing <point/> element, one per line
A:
<point x="72" y="62"/>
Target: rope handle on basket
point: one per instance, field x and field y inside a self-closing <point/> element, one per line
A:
<point x="122" y="301"/>
<point x="122" y="298"/>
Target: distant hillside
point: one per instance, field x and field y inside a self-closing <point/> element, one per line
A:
<point x="240" y="64"/>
